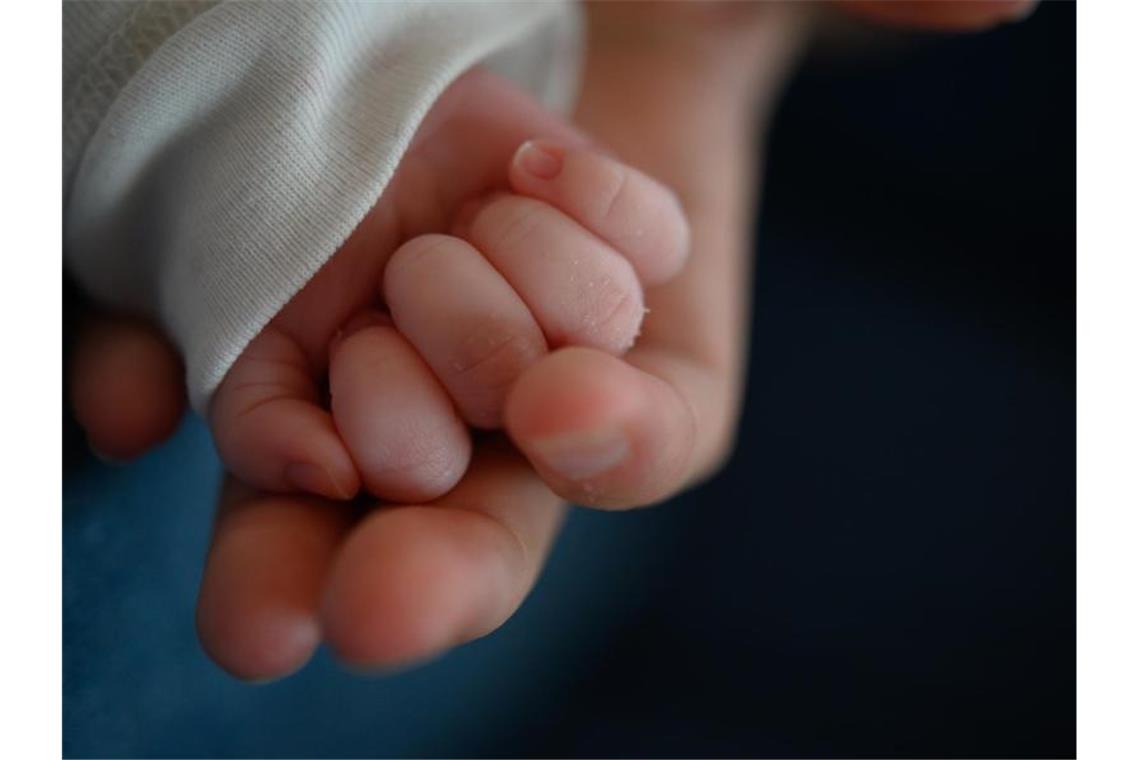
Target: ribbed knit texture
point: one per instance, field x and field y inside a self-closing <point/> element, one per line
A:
<point x="105" y="45"/>
<point x="221" y="153"/>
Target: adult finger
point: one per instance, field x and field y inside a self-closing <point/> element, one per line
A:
<point x="413" y="581"/>
<point x="257" y="605"/>
<point x="126" y="386"/>
<point x="611" y="432"/>
<point x="630" y="432"/>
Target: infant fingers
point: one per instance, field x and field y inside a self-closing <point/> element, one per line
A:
<point x="465" y="320"/>
<point x="269" y="428"/>
<point x="638" y="216"/>
<point x="580" y="291"/>
<point x="395" y="419"/>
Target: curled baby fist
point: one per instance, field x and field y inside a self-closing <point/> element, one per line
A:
<point x="560" y="261"/>
<point x="373" y="375"/>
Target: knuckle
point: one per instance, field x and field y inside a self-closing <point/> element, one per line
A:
<point x="612" y="199"/>
<point x="505" y="223"/>
<point x="418" y="253"/>
<point x="493" y="357"/>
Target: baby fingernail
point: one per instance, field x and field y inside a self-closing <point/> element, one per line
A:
<point x="582" y="455"/>
<point x="539" y="160"/>
<point x="312" y="479"/>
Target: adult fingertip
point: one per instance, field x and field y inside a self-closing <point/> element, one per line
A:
<point x="600" y="431"/>
<point x="582" y="454"/>
<point x="411" y="583"/>
<point x="126" y="390"/>
<point x="103" y="456"/>
<point x="257" y="606"/>
<point x="262" y="648"/>
<point x="570" y="416"/>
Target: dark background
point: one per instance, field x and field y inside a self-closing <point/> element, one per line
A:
<point x="887" y="567"/>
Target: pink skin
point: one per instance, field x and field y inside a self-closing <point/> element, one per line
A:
<point x="466" y="321"/>
<point x="548" y="243"/>
<point x="285" y="571"/>
<point x="126" y="386"/>
<point x="404" y="433"/>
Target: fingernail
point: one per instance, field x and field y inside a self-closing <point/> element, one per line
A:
<point x="582" y="455"/>
<point x="539" y="160"/>
<point x="311" y="478"/>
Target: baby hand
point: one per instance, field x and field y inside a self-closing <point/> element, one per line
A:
<point x="420" y="334"/>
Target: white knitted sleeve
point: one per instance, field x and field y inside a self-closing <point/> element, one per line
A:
<point x="216" y="154"/>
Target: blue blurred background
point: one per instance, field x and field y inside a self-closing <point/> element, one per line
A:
<point x="887" y="567"/>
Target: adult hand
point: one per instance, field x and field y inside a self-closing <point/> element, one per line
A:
<point x="392" y="584"/>
<point x="400" y="583"/>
